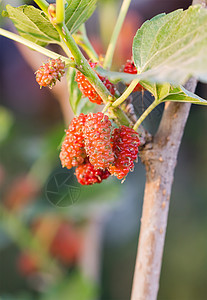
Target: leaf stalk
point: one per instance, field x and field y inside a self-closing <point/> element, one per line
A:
<point x="145" y="114"/>
<point x="126" y="93"/>
<point x="36" y="47"/>
<point x="43" y="5"/>
<point x="60" y="11"/>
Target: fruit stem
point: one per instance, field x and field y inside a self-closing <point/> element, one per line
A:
<point x="60" y="11"/>
<point x="33" y="46"/>
<point x="120" y="116"/>
<point x="112" y="44"/>
<point x="106" y="107"/>
<point x="43" y="5"/>
<point x="82" y="64"/>
<point x="126" y="93"/>
<point x="83" y="41"/>
<point x="145" y="114"/>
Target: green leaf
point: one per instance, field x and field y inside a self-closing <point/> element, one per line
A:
<point x="166" y="92"/>
<point x="33" y="25"/>
<point x="77" y="12"/>
<point x="180" y="94"/>
<point x="151" y="87"/>
<point x="74" y="92"/>
<point x="194" y="98"/>
<point x="172" y="47"/>
<point x="162" y="90"/>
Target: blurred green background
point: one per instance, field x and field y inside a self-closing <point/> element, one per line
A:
<point x="86" y="248"/>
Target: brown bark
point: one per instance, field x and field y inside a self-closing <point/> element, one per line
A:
<point x="159" y="157"/>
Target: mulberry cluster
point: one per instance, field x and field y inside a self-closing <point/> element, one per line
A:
<point x="131" y="69"/>
<point x="95" y="151"/>
<point x="49" y="73"/>
<point x="88" y="90"/>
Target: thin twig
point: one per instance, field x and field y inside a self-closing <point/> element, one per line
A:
<point x="112" y="44"/>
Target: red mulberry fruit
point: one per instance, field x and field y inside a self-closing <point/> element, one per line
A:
<point x="131" y="69"/>
<point x="88" y="90"/>
<point x="97" y="134"/>
<point x="125" y="146"/>
<point x="73" y="149"/>
<point x="86" y="174"/>
<point x="49" y="73"/>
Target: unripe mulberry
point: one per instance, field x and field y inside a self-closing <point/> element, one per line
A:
<point x="86" y="174"/>
<point x="49" y="73"/>
<point x="131" y="69"/>
<point x="125" y="146"/>
<point x="73" y="149"/>
<point x="97" y="134"/>
<point x="88" y="90"/>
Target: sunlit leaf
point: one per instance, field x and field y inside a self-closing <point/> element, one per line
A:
<point x="32" y="24"/>
<point x="172" y="47"/>
<point x="182" y="95"/>
<point x="77" y="12"/>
